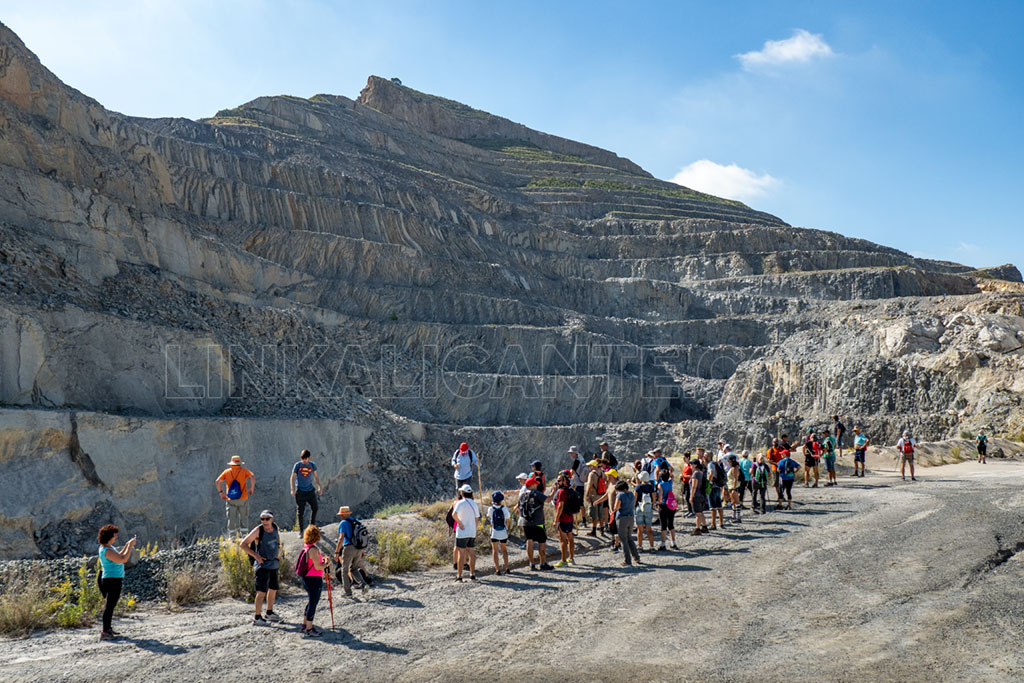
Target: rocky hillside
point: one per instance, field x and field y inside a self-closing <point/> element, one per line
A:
<point x="377" y="279"/>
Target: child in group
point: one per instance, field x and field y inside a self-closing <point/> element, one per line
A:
<point x="498" y="516"/>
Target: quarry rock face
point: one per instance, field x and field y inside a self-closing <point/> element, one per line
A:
<point x="378" y="279"/>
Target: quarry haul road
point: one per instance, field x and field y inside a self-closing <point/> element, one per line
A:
<point x="873" y="580"/>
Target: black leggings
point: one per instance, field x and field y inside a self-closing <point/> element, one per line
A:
<point x="757" y="490"/>
<point x="314" y="586"/>
<point x="686" y="496"/>
<point x="787" y="488"/>
<point x="110" y="589"/>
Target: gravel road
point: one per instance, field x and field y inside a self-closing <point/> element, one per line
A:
<point x="874" y="580"/>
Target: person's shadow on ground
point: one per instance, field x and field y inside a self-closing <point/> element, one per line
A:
<point x="340" y="636"/>
<point x="156" y="646"/>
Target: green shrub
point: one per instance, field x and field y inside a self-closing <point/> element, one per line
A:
<point x="966" y="435"/>
<point x="24" y="609"/>
<point x="434" y="548"/>
<point x="554" y="182"/>
<point x="395" y="509"/>
<point x="236" y="572"/>
<point x="955" y="453"/>
<point x="395" y="552"/>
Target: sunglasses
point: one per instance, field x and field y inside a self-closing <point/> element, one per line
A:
<point x="265" y="519"/>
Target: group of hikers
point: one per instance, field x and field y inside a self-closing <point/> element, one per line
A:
<point x="617" y="500"/>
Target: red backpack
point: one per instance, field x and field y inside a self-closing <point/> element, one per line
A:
<point x="908" y="447"/>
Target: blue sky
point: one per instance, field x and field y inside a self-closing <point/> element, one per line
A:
<point x="896" y="122"/>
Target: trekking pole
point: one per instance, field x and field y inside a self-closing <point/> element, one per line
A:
<point x="479" y="480"/>
<point x="330" y="598"/>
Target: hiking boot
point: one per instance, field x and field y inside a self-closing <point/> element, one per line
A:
<point x="591" y="533"/>
<point x="714" y="527"/>
<point x="107" y="635"/>
<point x="704" y="529"/>
<point x="533" y="567"/>
<point x="696" y="532"/>
<point x="458" y="579"/>
<point x="661" y="547"/>
<point x="546" y="567"/>
<point x="508" y="571"/>
<point x="675" y="547"/>
<point x="815" y="485"/>
<point x="258" y="620"/>
<point x="913" y="479"/>
<point x="472" y="577"/>
<point x="312" y="632"/>
<point x="272" y="616"/>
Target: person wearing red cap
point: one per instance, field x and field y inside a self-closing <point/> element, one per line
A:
<point x="531" y="518"/>
<point x="463" y="462"/>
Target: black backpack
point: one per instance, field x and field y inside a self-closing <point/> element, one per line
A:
<point x="360" y="535"/>
<point x="719" y="478"/>
<point x="256" y="544"/>
<point x="527" y="508"/>
<point x="573" y="502"/>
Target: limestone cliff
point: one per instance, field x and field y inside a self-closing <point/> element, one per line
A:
<point x="384" y="276"/>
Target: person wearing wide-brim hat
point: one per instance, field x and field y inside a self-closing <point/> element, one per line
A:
<point x="235" y="485"/>
<point x="348" y="555"/>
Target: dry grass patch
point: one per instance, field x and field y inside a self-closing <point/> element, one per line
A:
<point x="187" y="587"/>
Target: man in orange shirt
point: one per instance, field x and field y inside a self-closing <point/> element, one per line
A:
<point x="235" y="485"/>
<point x="775" y="454"/>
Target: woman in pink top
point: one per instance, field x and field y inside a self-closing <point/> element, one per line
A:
<point x="313" y="580"/>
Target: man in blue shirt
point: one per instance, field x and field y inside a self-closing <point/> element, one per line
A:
<point x="348" y="555"/>
<point x="302" y="482"/>
<point x="787" y="473"/>
<point x="463" y="461"/>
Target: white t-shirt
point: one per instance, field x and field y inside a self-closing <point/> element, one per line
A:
<point x="499" y="535"/>
<point x="899" y="444"/>
<point x="466" y="513"/>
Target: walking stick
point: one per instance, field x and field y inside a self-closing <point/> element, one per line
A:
<point x="330" y="598"/>
<point x="479" y="481"/>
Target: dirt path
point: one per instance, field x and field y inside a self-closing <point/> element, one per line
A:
<point x="873" y="580"/>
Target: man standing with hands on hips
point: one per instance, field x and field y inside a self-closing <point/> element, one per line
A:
<point x="302" y="482"/>
<point x="463" y="461"/>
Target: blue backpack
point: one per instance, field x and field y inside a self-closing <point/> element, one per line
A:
<point x="498" y="519"/>
<point x="234" y="490"/>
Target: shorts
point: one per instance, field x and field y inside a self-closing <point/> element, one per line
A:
<point x="982" y="450"/>
<point x="715" y="499"/>
<point x="459" y="483"/>
<point x="566" y="527"/>
<point x="597" y="512"/>
<point x="535" y="534"/>
<point x="465" y="542"/>
<point x="644" y="515"/>
<point x="266" y="579"/>
<point x="810" y="462"/>
<point x="700" y="504"/>
<point x="830" y="463"/>
<point x="579" y="491"/>
<point x="907" y="457"/>
<point x="499" y="540"/>
<point x="858" y="456"/>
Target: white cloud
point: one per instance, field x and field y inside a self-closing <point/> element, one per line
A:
<point x="802" y="47"/>
<point x="731" y="182"/>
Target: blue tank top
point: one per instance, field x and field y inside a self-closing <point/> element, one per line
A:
<point x="111" y="569"/>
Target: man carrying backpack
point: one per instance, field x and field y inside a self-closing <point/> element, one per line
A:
<point x="760" y="477"/>
<point x="787" y="474"/>
<point x="235" y="485"/>
<point x="860" y="450"/>
<point x="717" y="477"/>
<point x="607" y="455"/>
<point x="262" y="545"/>
<point x="463" y="462"/>
<point x="305" y="487"/>
<point x="531" y="518"/>
<point x="566" y="505"/>
<point x="352" y="541"/>
<point x="812" y="453"/>
<point x="982" y="447"/>
<point x="906" y="446"/>
<point x="577" y="479"/>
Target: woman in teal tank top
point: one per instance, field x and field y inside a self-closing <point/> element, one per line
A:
<point x="112" y="566"/>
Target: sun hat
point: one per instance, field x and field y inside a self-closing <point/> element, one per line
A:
<point x="574" y="450"/>
<point x="344" y="510"/>
<point x="266" y="513"/>
<point x="603" y="443"/>
<point x="721" y="440"/>
<point x="466" y="488"/>
<point x="613" y="473"/>
<point x="657" y="451"/>
<point x="463" y="447"/>
<point x="645" y="476"/>
<point x="594" y="463"/>
<point x="906" y="434"/>
<point x="497" y="497"/>
<point x="522" y="475"/>
<point x="236" y="460"/>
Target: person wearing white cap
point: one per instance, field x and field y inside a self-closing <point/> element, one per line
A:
<point x="644" y="513"/>
<point x="235" y="485"/>
<point x="263" y="544"/>
<point x="906" y="446"/>
<point x="466" y="513"/>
